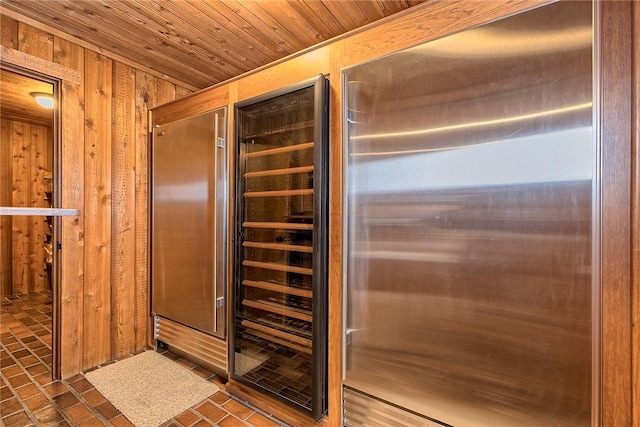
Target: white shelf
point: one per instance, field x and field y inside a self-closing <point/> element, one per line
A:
<point x="39" y="211"/>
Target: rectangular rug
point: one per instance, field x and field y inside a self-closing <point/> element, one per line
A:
<point x="150" y="389"/>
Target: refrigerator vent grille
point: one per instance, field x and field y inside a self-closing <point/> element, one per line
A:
<point x="362" y="410"/>
<point x="205" y="349"/>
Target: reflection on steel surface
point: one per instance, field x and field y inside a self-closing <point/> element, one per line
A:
<point x="468" y="216"/>
<point x="189" y="222"/>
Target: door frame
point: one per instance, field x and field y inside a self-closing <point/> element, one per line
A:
<point x="65" y="353"/>
<point x="57" y="167"/>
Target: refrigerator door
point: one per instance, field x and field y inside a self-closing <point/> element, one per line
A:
<point x="188" y="228"/>
<point x="468" y="224"/>
<point x="279" y="333"/>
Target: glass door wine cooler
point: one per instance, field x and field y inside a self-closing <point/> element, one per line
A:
<point x="279" y="338"/>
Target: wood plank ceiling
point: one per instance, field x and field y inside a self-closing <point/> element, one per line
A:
<point x="204" y="42"/>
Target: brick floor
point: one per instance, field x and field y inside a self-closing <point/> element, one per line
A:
<point x="30" y="397"/>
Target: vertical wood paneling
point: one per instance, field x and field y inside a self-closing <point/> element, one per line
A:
<point x="6" y="185"/>
<point x="163" y="92"/>
<point x="50" y="149"/>
<point x="39" y="44"/>
<point x="20" y="198"/>
<point x="123" y="215"/>
<point x="35" y="42"/>
<point x="8" y="32"/>
<point x="181" y="92"/>
<point x="144" y="95"/>
<point x="94" y="159"/>
<point x="616" y="213"/>
<point x="70" y="328"/>
<point x="150" y="91"/>
<point x="23" y="165"/>
<point x="635" y="218"/>
<point x="97" y="292"/>
<point x="37" y="226"/>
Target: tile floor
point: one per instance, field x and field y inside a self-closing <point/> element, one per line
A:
<point x="29" y="397"/>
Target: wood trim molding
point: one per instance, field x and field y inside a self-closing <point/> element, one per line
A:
<point x="272" y="406"/>
<point x="635" y="219"/>
<point x="282" y="74"/>
<point x="427" y="23"/>
<point x="616" y="132"/>
<point x="191" y="105"/>
<point x="335" y="292"/>
<point x="43" y="66"/>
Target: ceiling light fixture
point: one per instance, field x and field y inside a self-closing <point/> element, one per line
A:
<point x="44" y="99"/>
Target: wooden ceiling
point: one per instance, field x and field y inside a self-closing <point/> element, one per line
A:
<point x="16" y="103"/>
<point x="204" y="42"/>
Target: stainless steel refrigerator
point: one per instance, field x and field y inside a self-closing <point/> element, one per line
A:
<point x="189" y="222"/>
<point x="470" y="228"/>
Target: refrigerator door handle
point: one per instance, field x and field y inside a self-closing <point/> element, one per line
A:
<point x="348" y="335"/>
<point x="214" y="264"/>
<point x="215" y="226"/>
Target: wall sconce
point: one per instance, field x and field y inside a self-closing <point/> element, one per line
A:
<point x="44" y="99"/>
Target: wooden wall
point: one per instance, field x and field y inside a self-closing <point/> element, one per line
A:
<point x="635" y="218"/>
<point x="26" y="163"/>
<point x="103" y="150"/>
<point x="6" y="198"/>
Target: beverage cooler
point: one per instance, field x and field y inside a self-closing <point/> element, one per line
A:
<point x="279" y="338"/>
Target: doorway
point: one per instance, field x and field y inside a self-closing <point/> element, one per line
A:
<point x="29" y="174"/>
